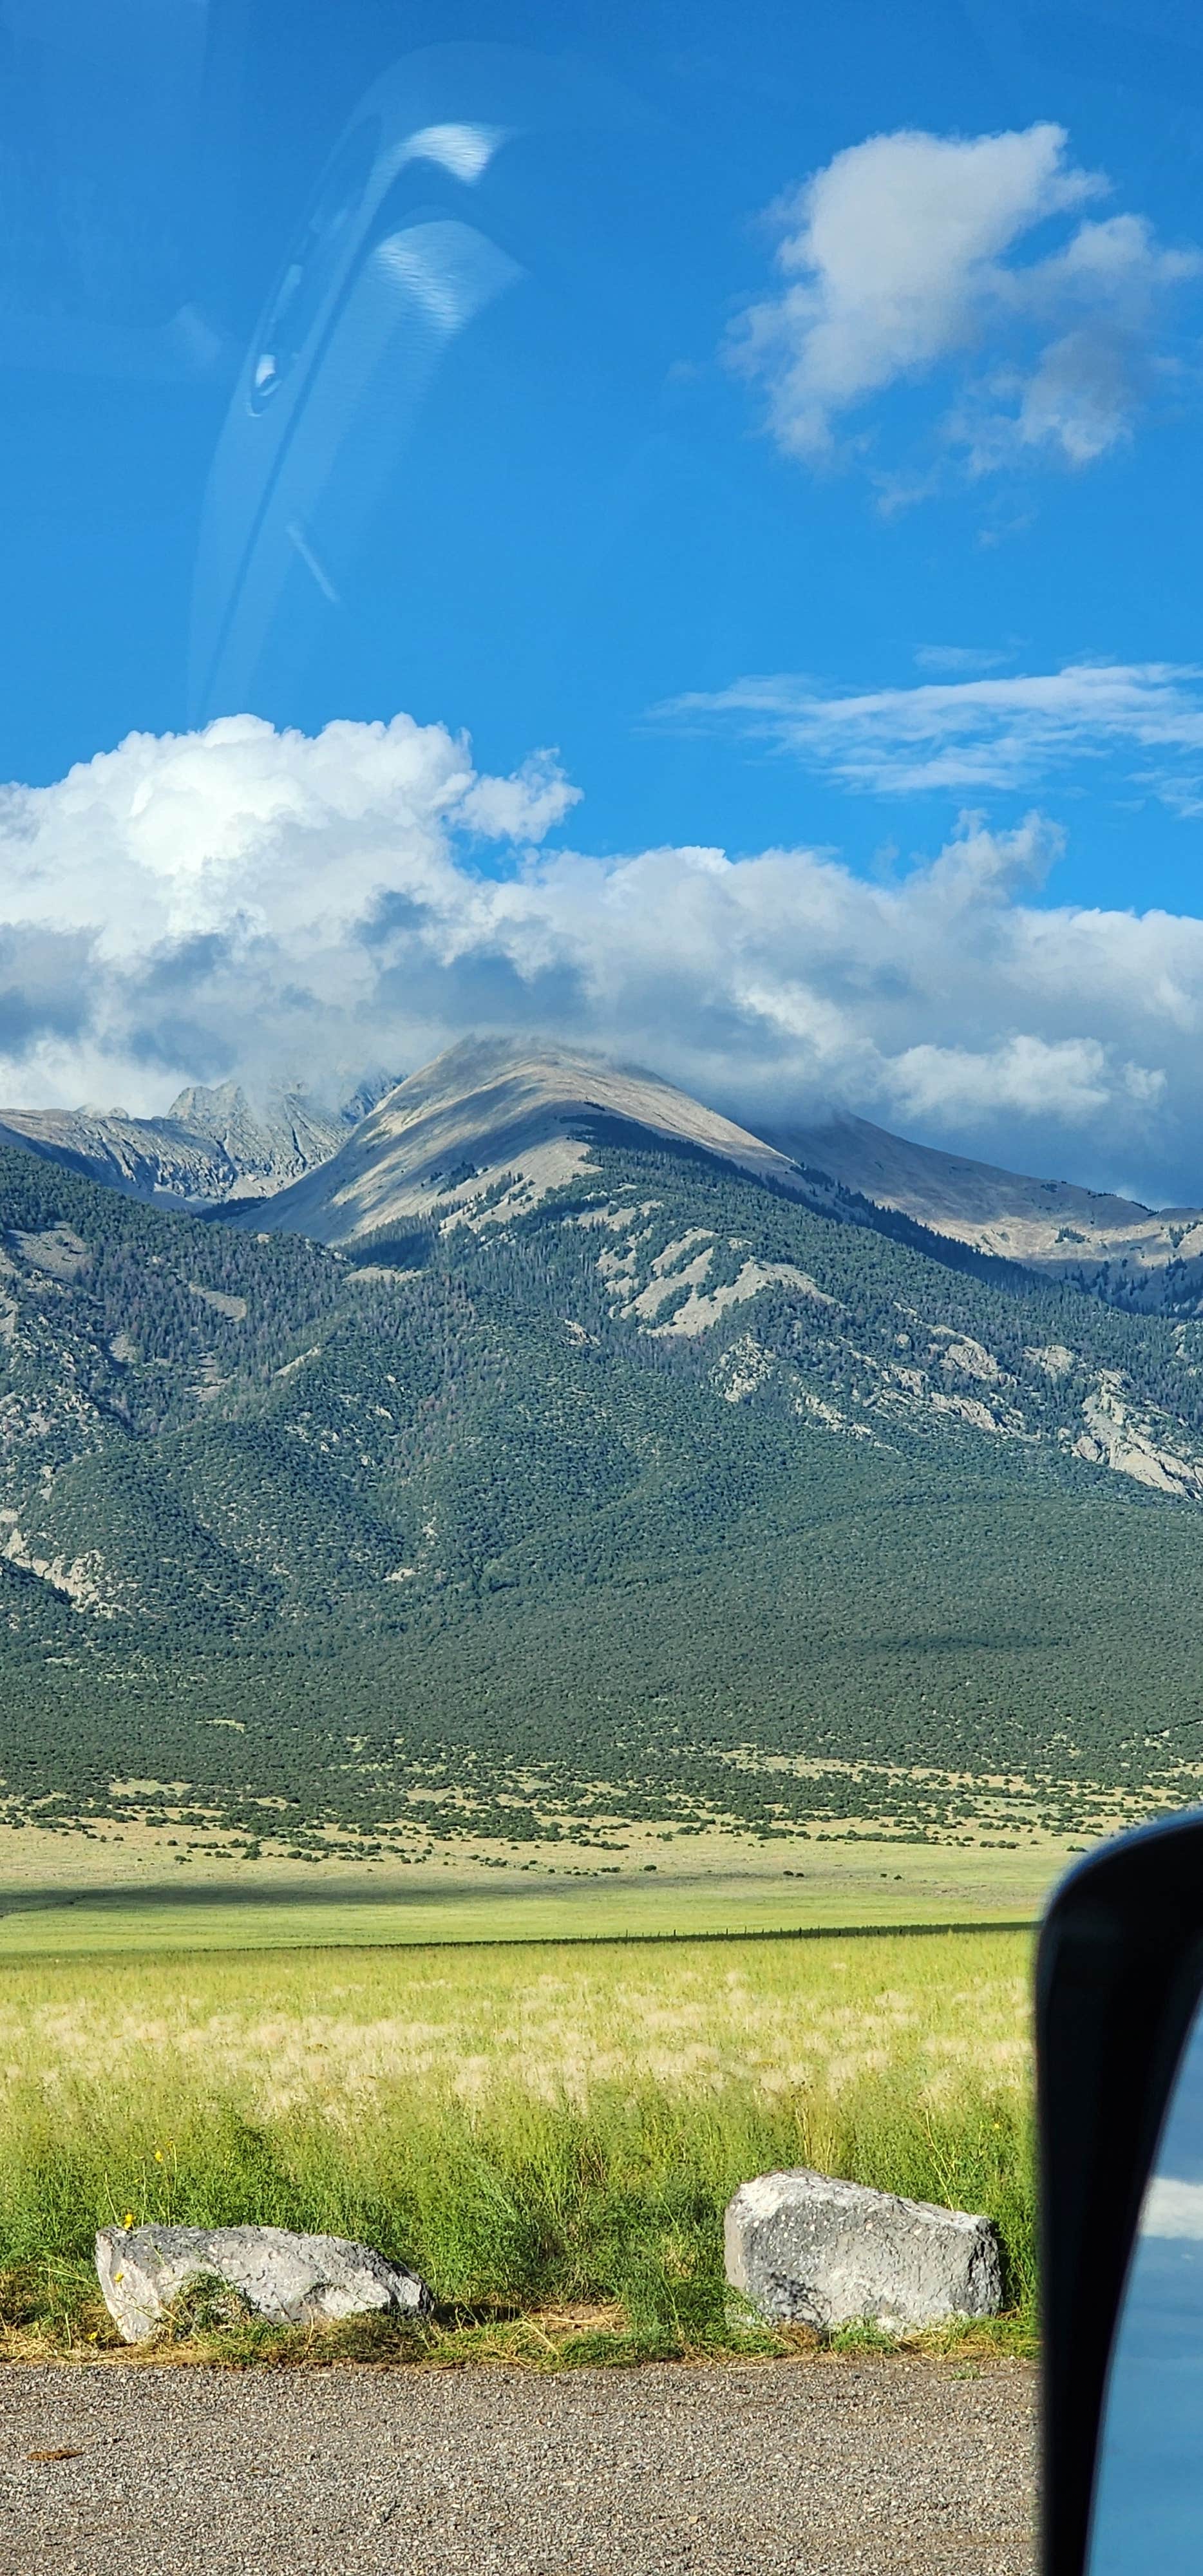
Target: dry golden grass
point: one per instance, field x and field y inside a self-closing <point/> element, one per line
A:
<point x="342" y="2030"/>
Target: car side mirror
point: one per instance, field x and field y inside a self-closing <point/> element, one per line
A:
<point x="1119" y="2039"/>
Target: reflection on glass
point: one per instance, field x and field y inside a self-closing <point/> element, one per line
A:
<point x="396" y="256"/>
<point x="1148" y="2509"/>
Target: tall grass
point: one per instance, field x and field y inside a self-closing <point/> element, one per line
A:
<point x="530" y="2138"/>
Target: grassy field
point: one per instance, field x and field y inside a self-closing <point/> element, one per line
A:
<point x="548" y="2135"/>
<point x="70" y="1894"/>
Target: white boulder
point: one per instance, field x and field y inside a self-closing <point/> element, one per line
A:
<point x="292" y="2280"/>
<point x="824" y="2253"/>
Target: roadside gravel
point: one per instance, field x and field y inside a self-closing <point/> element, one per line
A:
<point x="822" y="2468"/>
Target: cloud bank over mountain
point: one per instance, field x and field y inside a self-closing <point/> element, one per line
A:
<point x="268" y="905"/>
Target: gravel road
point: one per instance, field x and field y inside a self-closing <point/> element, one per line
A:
<point x="830" y="2468"/>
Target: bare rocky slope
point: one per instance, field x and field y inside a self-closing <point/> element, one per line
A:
<point x="1117" y="1247"/>
<point x="493" y="1125"/>
<point x="211" y="1146"/>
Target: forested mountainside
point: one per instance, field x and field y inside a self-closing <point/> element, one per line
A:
<point x="666" y="1495"/>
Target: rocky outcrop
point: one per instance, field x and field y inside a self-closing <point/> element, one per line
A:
<point x="805" y="2247"/>
<point x="211" y="1145"/>
<point x="1148" y="1446"/>
<point x="266" y="2271"/>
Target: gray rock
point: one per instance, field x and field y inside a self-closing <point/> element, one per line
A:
<point x="292" y="2280"/>
<point x="825" y="2253"/>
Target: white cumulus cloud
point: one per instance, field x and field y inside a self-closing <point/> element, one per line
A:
<point x="269" y="906"/>
<point x="897" y="263"/>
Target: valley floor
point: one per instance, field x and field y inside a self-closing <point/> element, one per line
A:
<point x="130" y="1890"/>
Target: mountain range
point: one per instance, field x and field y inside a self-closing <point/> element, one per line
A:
<point x="209" y="1148"/>
<point x="387" y="1152"/>
<point x="544" y="1447"/>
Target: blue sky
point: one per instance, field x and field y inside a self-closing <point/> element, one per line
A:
<point x="789" y="420"/>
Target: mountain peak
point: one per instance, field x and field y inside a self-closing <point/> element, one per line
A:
<point x="208" y="1108"/>
<point x="517" y="1110"/>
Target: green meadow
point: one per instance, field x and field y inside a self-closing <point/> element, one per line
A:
<point x="69" y="1895"/>
<point x="549" y="2134"/>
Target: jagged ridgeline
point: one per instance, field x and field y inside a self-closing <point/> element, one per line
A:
<point x="663" y="1494"/>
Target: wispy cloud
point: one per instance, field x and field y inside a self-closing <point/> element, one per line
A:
<point x="954" y="661"/>
<point x="897" y="264"/>
<point x="967" y="736"/>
